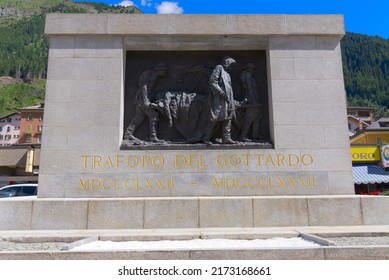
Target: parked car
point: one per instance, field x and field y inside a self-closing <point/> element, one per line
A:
<point x="18" y="190"/>
<point x="385" y="193"/>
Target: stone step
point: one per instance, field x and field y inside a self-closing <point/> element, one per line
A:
<point x="192" y="212"/>
<point x="191" y="233"/>
<point x="297" y="253"/>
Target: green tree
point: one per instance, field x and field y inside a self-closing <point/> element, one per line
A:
<point x="366" y="71"/>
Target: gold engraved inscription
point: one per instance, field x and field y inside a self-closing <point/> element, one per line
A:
<point x="130" y="161"/>
<point x="264" y="182"/>
<point x="189" y="161"/>
<point x="134" y="184"/>
<point x="262" y="160"/>
<point x="197" y="162"/>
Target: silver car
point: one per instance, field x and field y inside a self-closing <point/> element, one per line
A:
<point x="19" y="190"/>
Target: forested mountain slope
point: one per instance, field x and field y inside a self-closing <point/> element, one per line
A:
<point x="366" y="71"/>
<point x="24" y="48"/>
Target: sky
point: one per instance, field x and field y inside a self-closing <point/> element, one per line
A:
<point x="369" y="17"/>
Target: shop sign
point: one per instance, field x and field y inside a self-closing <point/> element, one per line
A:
<point x="385" y="156"/>
<point x="365" y="154"/>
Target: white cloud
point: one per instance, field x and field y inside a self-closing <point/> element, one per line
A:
<point x="146" y="3"/>
<point x="169" y="8"/>
<point x="125" y="3"/>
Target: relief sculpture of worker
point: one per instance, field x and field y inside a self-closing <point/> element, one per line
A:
<point x="143" y="102"/>
<point x="253" y="110"/>
<point x="222" y="101"/>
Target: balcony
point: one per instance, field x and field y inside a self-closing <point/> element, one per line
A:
<point x="28" y="129"/>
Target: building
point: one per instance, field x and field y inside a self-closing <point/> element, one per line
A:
<point x="377" y="133"/>
<point x="9" y="129"/>
<point x="355" y="125"/>
<point x="21" y="134"/>
<point x="19" y="164"/>
<point x="365" y="114"/>
<point x="369" y="173"/>
<point x="31" y="124"/>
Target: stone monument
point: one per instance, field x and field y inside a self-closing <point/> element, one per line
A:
<point x="187" y="121"/>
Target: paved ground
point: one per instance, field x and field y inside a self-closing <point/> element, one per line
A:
<point x="30" y="246"/>
<point x="360" y="241"/>
<point x="54" y="240"/>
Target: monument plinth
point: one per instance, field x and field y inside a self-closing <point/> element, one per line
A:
<point x="150" y="76"/>
<point x="155" y="121"/>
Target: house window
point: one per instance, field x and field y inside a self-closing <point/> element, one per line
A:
<point x="39" y="138"/>
<point x="9" y="119"/>
<point x="40" y="127"/>
<point x="7" y="137"/>
<point x="29" y="117"/>
<point x="1" y="137"/>
<point x="364" y="113"/>
<point x="384" y="124"/>
<point x="28" y="138"/>
<point x="17" y="128"/>
<point x="8" y="129"/>
<point x="41" y="117"/>
<point x="1" y="128"/>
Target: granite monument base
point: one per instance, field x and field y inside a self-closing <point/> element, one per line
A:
<point x="195" y="212"/>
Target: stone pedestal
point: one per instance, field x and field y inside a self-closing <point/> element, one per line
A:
<point x="86" y="110"/>
<point x="300" y="176"/>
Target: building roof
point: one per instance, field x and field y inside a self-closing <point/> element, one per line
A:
<point x="35" y="107"/>
<point x="12" y="157"/>
<point x="369" y="174"/>
<point x="381" y="124"/>
<point x="359" y="108"/>
<point x="15" y="113"/>
<point x="357" y="119"/>
<point x="15" y="156"/>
